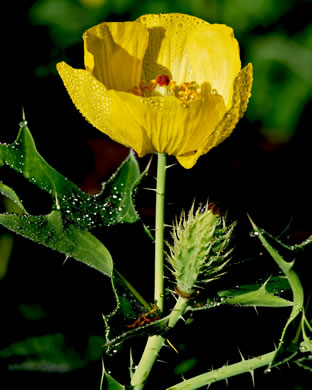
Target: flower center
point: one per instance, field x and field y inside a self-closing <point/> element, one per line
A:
<point x="163" y="86"/>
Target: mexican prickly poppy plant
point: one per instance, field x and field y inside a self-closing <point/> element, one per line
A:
<point x="168" y="83"/>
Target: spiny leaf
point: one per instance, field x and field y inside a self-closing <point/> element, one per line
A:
<point x="114" y="204"/>
<point x="75" y="213"/>
<point x="289" y="342"/>
<point x="108" y="382"/>
<point x="257" y="295"/>
<point x="9" y="193"/>
<point x="129" y="307"/>
<point x="48" y="230"/>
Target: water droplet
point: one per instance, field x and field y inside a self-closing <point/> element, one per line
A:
<point x="214" y="91"/>
<point x="184" y="105"/>
<point x="267" y="370"/>
<point x="253" y="233"/>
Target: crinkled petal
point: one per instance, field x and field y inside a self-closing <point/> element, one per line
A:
<point x="171" y="126"/>
<point x="166" y="54"/>
<point x="241" y="95"/>
<point x="95" y="103"/>
<point x="214" y="56"/>
<point x="114" y="53"/>
<point x="148" y="125"/>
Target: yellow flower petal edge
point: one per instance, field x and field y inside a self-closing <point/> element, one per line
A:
<point x="95" y="103"/>
<point x="180" y="52"/>
<point x="241" y="95"/>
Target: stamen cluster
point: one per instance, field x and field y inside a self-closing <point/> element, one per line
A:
<point x="163" y="86"/>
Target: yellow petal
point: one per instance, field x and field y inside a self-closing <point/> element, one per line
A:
<point x="95" y="103"/>
<point x="148" y="125"/>
<point x="114" y="53"/>
<point x="214" y="56"/>
<point x="169" y="125"/>
<point x="166" y="48"/>
<point x="241" y="95"/>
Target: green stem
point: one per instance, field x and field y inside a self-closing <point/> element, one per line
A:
<point x="159" y="233"/>
<point x="225" y="372"/>
<point x="152" y="348"/>
<point x="154" y="345"/>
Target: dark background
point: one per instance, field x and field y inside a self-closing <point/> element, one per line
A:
<point x="263" y="169"/>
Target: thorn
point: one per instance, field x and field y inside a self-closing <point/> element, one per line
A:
<point x="149" y="189"/>
<point x="161" y="361"/>
<point x="243" y="359"/>
<point x="149" y="163"/>
<point x="171" y="165"/>
<point x="23" y="115"/>
<point x="66" y="258"/>
<point x="252" y="373"/>
<point x="172" y="346"/>
<point x="255" y="307"/>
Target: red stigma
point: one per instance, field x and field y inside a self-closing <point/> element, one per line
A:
<point x="162" y="79"/>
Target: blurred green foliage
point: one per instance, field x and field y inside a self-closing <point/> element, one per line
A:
<point x="272" y="34"/>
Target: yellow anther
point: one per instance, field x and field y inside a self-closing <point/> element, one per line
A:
<point x="163" y="86"/>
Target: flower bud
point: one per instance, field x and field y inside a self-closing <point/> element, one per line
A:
<point x="200" y="248"/>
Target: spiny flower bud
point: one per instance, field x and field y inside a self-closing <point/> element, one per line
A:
<point x="200" y="248"/>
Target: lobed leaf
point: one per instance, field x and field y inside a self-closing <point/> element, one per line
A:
<point x="258" y="295"/>
<point x="74" y="213"/>
<point x="108" y="382"/>
<point x="289" y="342"/>
<point x="129" y="307"/>
<point x="49" y="230"/>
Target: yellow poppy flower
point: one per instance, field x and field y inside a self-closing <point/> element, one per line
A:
<point x="168" y="83"/>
